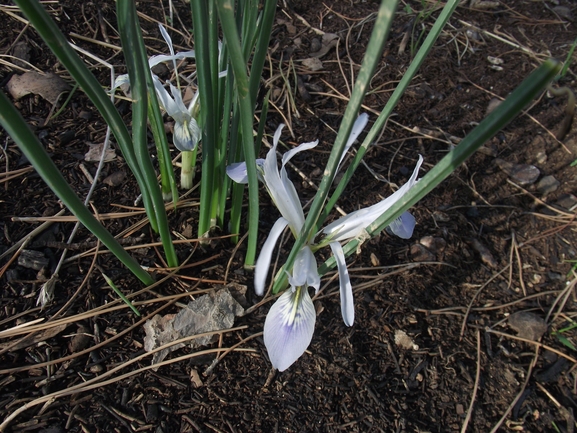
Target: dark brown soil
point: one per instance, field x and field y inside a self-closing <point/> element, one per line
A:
<point x="484" y="247"/>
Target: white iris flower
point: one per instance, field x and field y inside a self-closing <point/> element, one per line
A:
<point x="186" y="130"/>
<point x="289" y="325"/>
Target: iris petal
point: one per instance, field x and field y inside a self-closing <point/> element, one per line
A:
<point x="282" y="192"/>
<point x="403" y="226"/>
<point x="353" y="224"/>
<point x="264" y="258"/>
<point x="358" y="127"/>
<point x="346" y="289"/>
<point x="305" y="271"/>
<point x="289" y="327"/>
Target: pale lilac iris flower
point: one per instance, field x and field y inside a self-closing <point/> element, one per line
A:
<point x="186" y="130"/>
<point x="289" y="325"/>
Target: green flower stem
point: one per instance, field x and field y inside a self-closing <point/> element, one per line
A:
<point x="503" y="114"/>
<point x="188" y="161"/>
<point x="390" y="106"/>
<point x="16" y="126"/>
<point x="142" y="86"/>
<point x="373" y="54"/>
<point x="167" y="181"/>
<point x="246" y="109"/>
<point x="208" y="113"/>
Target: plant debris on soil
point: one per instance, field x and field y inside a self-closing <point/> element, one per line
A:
<point x="464" y="327"/>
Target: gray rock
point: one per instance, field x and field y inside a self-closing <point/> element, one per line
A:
<point x="523" y="174"/>
<point x="547" y="185"/>
<point x="528" y="325"/>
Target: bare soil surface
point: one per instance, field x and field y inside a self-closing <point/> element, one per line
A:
<point x="454" y="329"/>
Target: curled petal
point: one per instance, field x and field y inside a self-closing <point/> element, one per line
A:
<point x="305" y="271"/>
<point x="358" y="127"/>
<point x="161" y="58"/>
<point x="237" y="171"/>
<point x="355" y="223"/>
<point x="346" y="290"/>
<point x="166" y="37"/>
<point x="289" y="327"/>
<point x="264" y="258"/>
<point x="282" y="191"/>
<point x="120" y="80"/>
<point x="403" y="226"/>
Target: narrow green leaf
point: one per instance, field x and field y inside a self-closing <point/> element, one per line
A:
<point x="17" y="128"/>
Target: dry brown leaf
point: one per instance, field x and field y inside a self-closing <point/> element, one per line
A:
<point x="49" y="86"/>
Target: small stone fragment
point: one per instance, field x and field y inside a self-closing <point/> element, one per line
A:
<point x="564" y="12"/>
<point x="32" y="260"/>
<point x="81" y="340"/>
<point x="404" y="341"/>
<point x="486" y="256"/>
<point x="433" y="244"/>
<point x="528" y="325"/>
<point x="493" y="103"/>
<point x="313" y="64"/>
<point x="547" y="185"/>
<point x="524" y="174"/>
<point x="421" y="254"/>
<point x="375" y="260"/>
<point x="115" y="178"/>
<point x="567" y="201"/>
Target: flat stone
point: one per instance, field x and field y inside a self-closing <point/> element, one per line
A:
<point x="547" y="185"/>
<point x="524" y="174"/>
<point x="528" y="325"/>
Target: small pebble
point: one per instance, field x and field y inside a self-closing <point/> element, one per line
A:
<point x="523" y="174"/>
<point x="547" y="185"/>
<point x="528" y="325"/>
<point x="421" y="254"/>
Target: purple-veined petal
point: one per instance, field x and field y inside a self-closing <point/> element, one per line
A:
<point x="346" y="290"/>
<point x="403" y="226"/>
<point x="237" y="171"/>
<point x="264" y="258"/>
<point x="283" y="194"/>
<point x="353" y="224"/>
<point x="358" y="127"/>
<point x="305" y="272"/>
<point x="289" y="327"/>
<point x="120" y="80"/>
<point x="186" y="135"/>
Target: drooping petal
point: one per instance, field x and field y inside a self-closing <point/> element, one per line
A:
<point x="120" y="80"/>
<point x="164" y="98"/>
<point x="358" y="127"/>
<point x="282" y="193"/>
<point x="403" y="226"/>
<point x="305" y="272"/>
<point x="289" y="327"/>
<point x="237" y="171"/>
<point x="167" y="38"/>
<point x="161" y="58"/>
<point x="264" y="258"/>
<point x="353" y="224"/>
<point x="177" y="96"/>
<point x="346" y="289"/>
